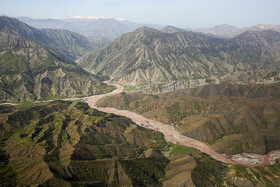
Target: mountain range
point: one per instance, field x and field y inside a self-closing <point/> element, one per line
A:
<point x="70" y="44"/>
<point x="230" y="31"/>
<point x="149" y="56"/>
<point x="38" y="64"/>
<point x="155" y="60"/>
<point x="110" y="28"/>
<point x="225" y="94"/>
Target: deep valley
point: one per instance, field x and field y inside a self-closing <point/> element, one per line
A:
<point x="109" y="102"/>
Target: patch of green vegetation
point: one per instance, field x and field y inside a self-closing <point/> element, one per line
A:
<point x="166" y="66"/>
<point x="277" y="96"/>
<point x="208" y="172"/>
<point x="265" y="121"/>
<point x="145" y="171"/>
<point x="7" y="175"/>
<point x="77" y="95"/>
<point x="272" y="74"/>
<point x="211" y="142"/>
<point x="129" y="88"/>
<point x="274" y="168"/>
<point x="209" y="81"/>
<point x="58" y="122"/>
<point x="238" y="148"/>
<point x="236" y="128"/>
<point x="143" y="84"/>
<point x="176" y="112"/>
<point x="25" y="104"/>
<point x="176" y="106"/>
<point x="14" y="62"/>
<point x="51" y="159"/>
<point x="109" y="88"/>
<point x="160" y="142"/>
<point x="271" y="132"/>
<point x="27" y="141"/>
<point x="239" y="170"/>
<point x="197" y="107"/>
<point x="82" y="106"/>
<point x="56" y="97"/>
<point x="260" y="176"/>
<point x="179" y="149"/>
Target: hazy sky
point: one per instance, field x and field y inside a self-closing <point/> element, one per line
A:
<point x="180" y="13"/>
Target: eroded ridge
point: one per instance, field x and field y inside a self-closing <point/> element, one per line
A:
<point x="171" y="135"/>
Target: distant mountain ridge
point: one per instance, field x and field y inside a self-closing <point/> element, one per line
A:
<point x="220" y="30"/>
<point x="171" y="29"/>
<point x="110" y="28"/>
<point x="230" y="31"/>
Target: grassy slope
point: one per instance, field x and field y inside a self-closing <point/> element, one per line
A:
<point x="79" y="145"/>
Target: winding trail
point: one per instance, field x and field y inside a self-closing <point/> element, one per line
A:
<point x="171" y="135"/>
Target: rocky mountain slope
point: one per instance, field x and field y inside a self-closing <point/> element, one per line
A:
<point x="69" y="144"/>
<point x="97" y="42"/>
<point x="232" y="118"/>
<point x="148" y="56"/>
<point x="31" y="71"/>
<point x="72" y="45"/>
<point x="238" y="77"/>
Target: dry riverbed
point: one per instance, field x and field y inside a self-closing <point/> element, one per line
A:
<point x="171" y="135"/>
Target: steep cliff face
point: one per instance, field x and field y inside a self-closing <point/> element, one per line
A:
<point x="150" y="56"/>
<point x="232" y="118"/>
